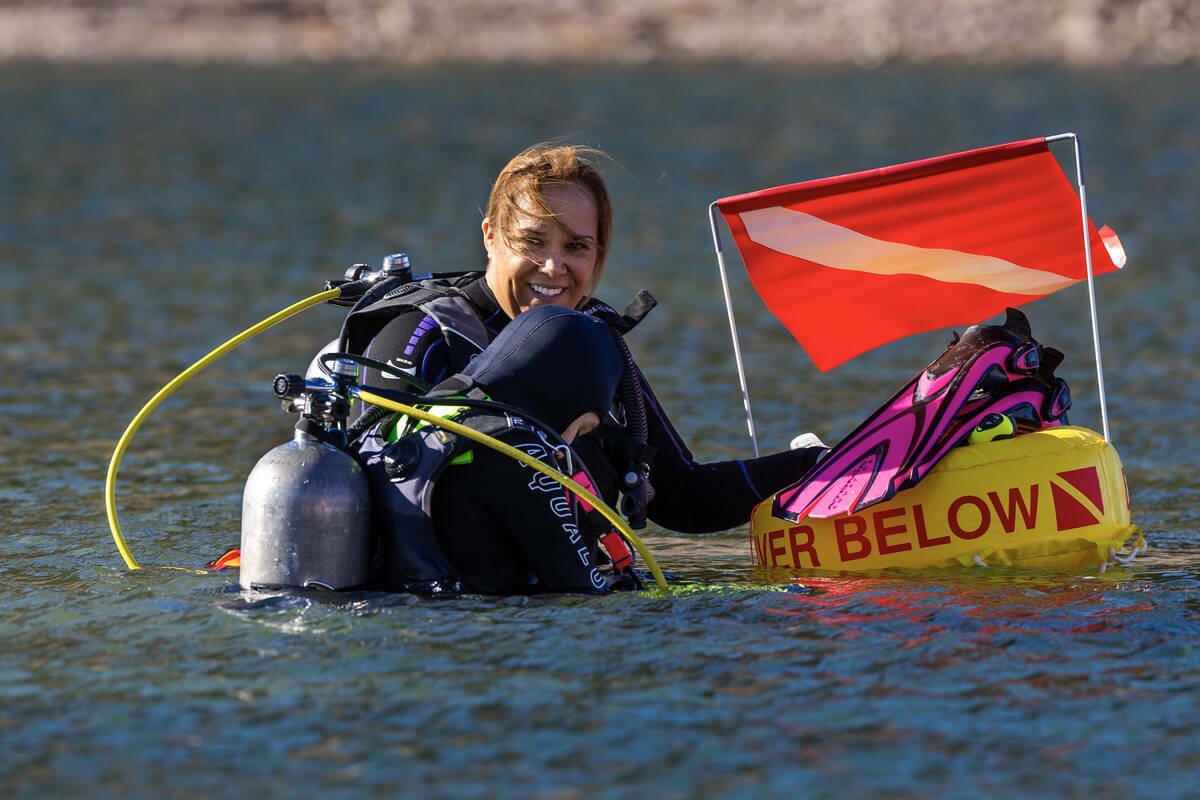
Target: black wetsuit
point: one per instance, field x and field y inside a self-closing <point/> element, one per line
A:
<point x="688" y="496"/>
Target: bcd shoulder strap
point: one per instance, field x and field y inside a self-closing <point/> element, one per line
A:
<point x="441" y="298"/>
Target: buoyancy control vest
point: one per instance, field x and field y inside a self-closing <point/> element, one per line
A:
<point x="402" y="475"/>
<point x="448" y="302"/>
<point x="442" y="299"/>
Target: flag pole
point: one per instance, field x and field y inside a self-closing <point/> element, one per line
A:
<point x="1087" y="254"/>
<point x="737" y="348"/>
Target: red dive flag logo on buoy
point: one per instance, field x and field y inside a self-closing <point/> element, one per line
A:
<point x="855" y="261"/>
<point x="1078" y="499"/>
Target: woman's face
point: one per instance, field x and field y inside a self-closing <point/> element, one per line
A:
<point x="555" y="259"/>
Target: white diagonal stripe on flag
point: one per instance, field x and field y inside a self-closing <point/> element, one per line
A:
<point x="802" y="235"/>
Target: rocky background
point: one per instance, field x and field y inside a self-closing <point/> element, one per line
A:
<point x="863" y="32"/>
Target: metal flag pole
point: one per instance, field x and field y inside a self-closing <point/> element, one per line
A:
<point x="1087" y="253"/>
<point x="737" y="348"/>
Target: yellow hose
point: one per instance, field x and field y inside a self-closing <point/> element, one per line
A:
<point x="110" y="484"/>
<point x="528" y="461"/>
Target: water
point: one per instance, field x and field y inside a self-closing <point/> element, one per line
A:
<point x="151" y="213"/>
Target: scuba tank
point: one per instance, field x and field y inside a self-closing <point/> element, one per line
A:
<point x="306" y="504"/>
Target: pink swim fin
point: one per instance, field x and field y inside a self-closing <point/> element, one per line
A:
<point x="991" y="369"/>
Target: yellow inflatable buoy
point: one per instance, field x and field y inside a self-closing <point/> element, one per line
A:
<point x="1053" y="498"/>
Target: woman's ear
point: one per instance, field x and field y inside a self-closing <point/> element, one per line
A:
<point x="488" y="233"/>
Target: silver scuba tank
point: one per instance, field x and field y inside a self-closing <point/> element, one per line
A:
<point x="305" y="518"/>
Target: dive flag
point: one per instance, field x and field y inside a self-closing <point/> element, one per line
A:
<point x="852" y="262"/>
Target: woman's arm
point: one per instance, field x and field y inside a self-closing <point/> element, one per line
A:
<point x="701" y="498"/>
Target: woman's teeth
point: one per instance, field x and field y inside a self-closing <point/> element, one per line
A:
<point x="544" y="290"/>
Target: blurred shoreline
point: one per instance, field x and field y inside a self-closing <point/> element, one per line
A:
<point x="867" y="33"/>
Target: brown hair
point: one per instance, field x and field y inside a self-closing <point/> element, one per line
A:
<point x="537" y="168"/>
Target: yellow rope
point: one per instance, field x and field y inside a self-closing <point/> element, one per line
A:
<point x="528" y="461"/>
<point x="110" y="484"/>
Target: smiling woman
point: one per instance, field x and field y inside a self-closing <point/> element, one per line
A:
<point x="547" y="230"/>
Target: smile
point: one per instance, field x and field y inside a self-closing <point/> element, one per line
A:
<point x="545" y="291"/>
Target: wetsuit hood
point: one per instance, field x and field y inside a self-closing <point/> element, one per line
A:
<point x="553" y="362"/>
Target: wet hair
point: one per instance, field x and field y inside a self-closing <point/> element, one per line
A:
<point x="530" y="173"/>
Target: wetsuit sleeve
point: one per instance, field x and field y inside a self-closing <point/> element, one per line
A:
<point x="701" y="498"/>
<point x="414" y="343"/>
<point x="510" y="529"/>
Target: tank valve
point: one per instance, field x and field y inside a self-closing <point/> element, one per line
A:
<point x="288" y="386"/>
<point x="322" y="400"/>
<point x="397" y="265"/>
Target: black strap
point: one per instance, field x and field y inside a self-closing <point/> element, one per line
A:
<point x="625" y="444"/>
<point x="623" y="323"/>
<point x="641" y="305"/>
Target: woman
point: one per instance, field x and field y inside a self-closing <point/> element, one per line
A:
<point x="547" y="232"/>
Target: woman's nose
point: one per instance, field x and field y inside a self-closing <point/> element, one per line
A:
<point x="554" y="264"/>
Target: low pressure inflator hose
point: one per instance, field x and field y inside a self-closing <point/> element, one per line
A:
<point x="316" y="299"/>
<point x="110" y="483"/>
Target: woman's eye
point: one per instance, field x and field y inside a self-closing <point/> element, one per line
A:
<point x="579" y="247"/>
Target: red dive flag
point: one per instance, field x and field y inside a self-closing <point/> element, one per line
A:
<point x="852" y="262"/>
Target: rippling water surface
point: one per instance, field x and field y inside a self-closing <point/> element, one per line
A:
<point x="151" y="213"/>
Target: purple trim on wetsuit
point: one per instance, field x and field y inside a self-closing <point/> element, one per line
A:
<point x="746" y="475"/>
<point x="487" y="322"/>
<point x="423" y="327"/>
<point x="432" y="379"/>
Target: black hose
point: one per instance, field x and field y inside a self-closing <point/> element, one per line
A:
<point x="630" y="387"/>
<point x="637" y="492"/>
<point x="378" y="366"/>
<point x="365" y="421"/>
